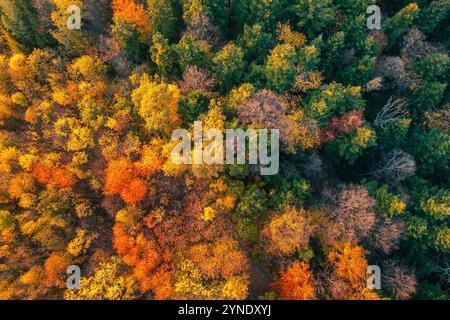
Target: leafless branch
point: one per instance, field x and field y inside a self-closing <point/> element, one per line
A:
<point x="392" y="110"/>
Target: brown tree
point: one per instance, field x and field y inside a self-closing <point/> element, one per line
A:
<point x="399" y="280"/>
<point x="196" y="79"/>
<point x="352" y="213"/>
<point x="386" y="235"/>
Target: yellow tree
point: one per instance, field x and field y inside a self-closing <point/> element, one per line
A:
<point x="286" y="232"/>
<point x="350" y="272"/>
<point x="157" y="104"/>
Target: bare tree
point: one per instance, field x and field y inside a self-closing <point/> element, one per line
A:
<point x="107" y="48"/>
<point x="415" y="47"/>
<point x="264" y="109"/>
<point x="396" y="166"/>
<point x="352" y="212"/>
<point x="443" y="267"/>
<point x="399" y="280"/>
<point x="392" y="110"/>
<point x="394" y="68"/>
<point x="339" y="288"/>
<point x="327" y="283"/>
<point x="200" y="28"/>
<point x="97" y="15"/>
<point x="313" y="166"/>
<point x="112" y="205"/>
<point x="195" y="78"/>
<point x="386" y="235"/>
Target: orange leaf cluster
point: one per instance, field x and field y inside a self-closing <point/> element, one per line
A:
<point x="138" y="252"/>
<point x="42" y="173"/>
<point x="122" y="179"/>
<point x="349" y="122"/>
<point x="55" y="268"/>
<point x="296" y="283"/>
<point x="349" y="262"/>
<point x="161" y="284"/>
<point x="60" y="177"/>
<point x="130" y="11"/>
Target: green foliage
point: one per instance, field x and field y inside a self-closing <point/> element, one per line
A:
<point x="430" y="200"/>
<point x="192" y="52"/>
<point x="18" y="21"/>
<point x="442" y="241"/>
<point x="164" y="56"/>
<point x="359" y="72"/>
<point x="432" y="67"/>
<point x="218" y="12"/>
<point x="51" y="203"/>
<point x="314" y="17"/>
<point x="388" y="204"/>
<point x="192" y="105"/>
<point x="228" y="66"/>
<point x="255" y="43"/>
<point x="279" y="68"/>
<point x="430" y="17"/>
<point x="238" y="171"/>
<point x="253" y="203"/>
<point x="430" y="210"/>
<point x="86" y="151"/>
<point x="305" y="254"/>
<point x="431" y="149"/>
<point x="330" y="50"/>
<point x="165" y="17"/>
<point x="428" y="95"/>
<point x="416" y="227"/>
<point x="395" y="133"/>
<point x="398" y="24"/>
<point x="129" y="38"/>
<point x="351" y="146"/>
<point x="247" y="230"/>
<point x="333" y="99"/>
<point x="266" y="12"/>
<point x="6" y="220"/>
<point x="287" y="192"/>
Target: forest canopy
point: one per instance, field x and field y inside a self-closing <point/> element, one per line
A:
<point x="91" y="92"/>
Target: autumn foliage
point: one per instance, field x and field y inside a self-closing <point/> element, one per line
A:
<point x="296" y="283"/>
<point x="286" y="232"/>
<point x="121" y="178"/>
<point x="131" y="12"/>
<point x="138" y="252"/>
<point x="99" y="127"/>
<point x="60" y="177"/>
<point x="55" y="268"/>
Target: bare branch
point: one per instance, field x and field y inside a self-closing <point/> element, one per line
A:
<point x="396" y="166"/>
<point x="392" y="110"/>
